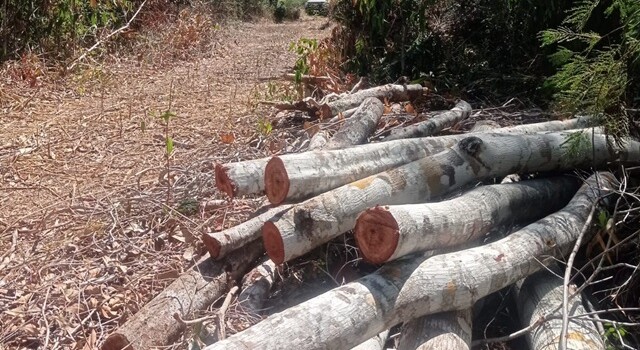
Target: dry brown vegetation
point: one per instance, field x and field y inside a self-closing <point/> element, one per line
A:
<point x="94" y="220"/>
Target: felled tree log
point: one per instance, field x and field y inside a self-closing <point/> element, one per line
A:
<point x="415" y="286"/>
<point x="445" y="330"/>
<point x="484" y="126"/>
<point x="319" y="140"/>
<point x="539" y="295"/>
<point x="294" y="177"/>
<point x="154" y="325"/>
<point x="316" y="221"/>
<point x="241" y="178"/>
<point x="391" y="92"/>
<point x="386" y="233"/>
<point x="435" y="124"/>
<point x="256" y="286"/>
<point x="375" y="343"/>
<point x="357" y="129"/>
<point x="220" y="243"/>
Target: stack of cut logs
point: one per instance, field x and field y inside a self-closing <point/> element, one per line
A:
<point x="392" y="194"/>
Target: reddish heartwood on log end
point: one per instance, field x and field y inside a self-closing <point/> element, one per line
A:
<point x="276" y="181"/>
<point x="223" y="182"/>
<point x="377" y="234"/>
<point x="212" y="245"/>
<point x="273" y="243"/>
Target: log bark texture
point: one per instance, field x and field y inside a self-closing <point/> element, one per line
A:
<point x="294" y="177"/>
<point x="539" y="295"/>
<point x="375" y="343"/>
<point x="219" y="244"/>
<point x="385" y="233"/>
<point x="319" y="140"/>
<point x="241" y="178"/>
<point x="256" y="286"/>
<point x="414" y="286"/>
<point x="357" y="129"/>
<point x="445" y="330"/>
<point x="155" y="326"/>
<point x="433" y="125"/>
<point x="391" y="92"/>
<point x="316" y="221"/>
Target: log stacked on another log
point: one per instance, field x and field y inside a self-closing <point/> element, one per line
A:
<point x="434" y="125"/>
<point x="416" y="286"/>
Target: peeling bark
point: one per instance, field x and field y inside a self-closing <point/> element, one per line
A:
<point x="416" y="286"/>
<point x="434" y="125"/>
<point x="195" y="290"/>
<point x="294" y="177"/>
<point x="445" y="330"/>
<point x="324" y="217"/>
<point x="391" y="92"/>
<point x="219" y="244"/>
<point x="540" y="294"/>
<point x="387" y="233"/>
<point x="357" y="129"/>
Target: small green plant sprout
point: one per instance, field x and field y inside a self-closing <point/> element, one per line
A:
<point x="264" y="127"/>
<point x="302" y="48"/>
<point x="614" y="335"/>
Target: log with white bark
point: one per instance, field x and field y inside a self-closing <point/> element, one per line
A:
<point x="416" y="286"/>
<point x="241" y="178"/>
<point x="357" y="129"/>
<point x="433" y="125"/>
<point x="385" y="233"/>
<point x="293" y="177"/>
<point x="195" y="290"/>
<point x="445" y="330"/>
<point x="318" y="220"/>
<point x="541" y="295"/>
<point x="256" y="285"/>
<point x="390" y="92"/>
<point x="319" y="140"/>
<point x="484" y="126"/>
<point x="219" y="244"/>
<point x="375" y="343"/>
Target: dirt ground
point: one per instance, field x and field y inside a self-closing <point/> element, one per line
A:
<point x="94" y="221"/>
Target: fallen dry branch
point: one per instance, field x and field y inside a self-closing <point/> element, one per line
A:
<point x="256" y="286"/>
<point x="390" y="92"/>
<point x="541" y="295"/>
<point x="445" y="330"/>
<point x="195" y="290"/>
<point x="357" y="129"/>
<point x="219" y="244"/>
<point x="385" y="233"/>
<point x="416" y="286"/>
<point x="433" y="125"/>
<point x="316" y="221"/>
<point x="294" y="177"/>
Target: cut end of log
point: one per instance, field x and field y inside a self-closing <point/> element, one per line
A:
<point x="212" y="245"/>
<point x="223" y="182"/>
<point x="116" y="342"/>
<point x="377" y="235"/>
<point x="273" y="243"/>
<point x="276" y="181"/>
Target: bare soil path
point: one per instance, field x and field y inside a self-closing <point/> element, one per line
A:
<point x="92" y="224"/>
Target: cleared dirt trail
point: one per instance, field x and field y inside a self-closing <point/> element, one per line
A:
<point x="85" y="238"/>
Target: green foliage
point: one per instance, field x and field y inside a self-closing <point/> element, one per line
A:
<point x="264" y="127"/>
<point x="287" y="9"/>
<point x="577" y="144"/>
<point x="614" y="335"/>
<point x="598" y="49"/>
<point x="302" y="48"/>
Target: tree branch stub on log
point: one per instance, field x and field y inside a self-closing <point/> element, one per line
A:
<point x="294" y="177"/>
<point x="385" y="233"/>
<point x="195" y="290"/>
<point x="316" y="221"/>
<point x="416" y="286"/>
<point x="433" y="125"/>
<point x="540" y="294"/>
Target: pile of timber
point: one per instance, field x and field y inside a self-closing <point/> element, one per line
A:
<point x="411" y="204"/>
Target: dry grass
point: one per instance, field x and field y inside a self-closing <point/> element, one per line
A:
<point x="87" y="235"/>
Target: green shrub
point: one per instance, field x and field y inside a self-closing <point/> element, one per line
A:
<point x="287" y="10"/>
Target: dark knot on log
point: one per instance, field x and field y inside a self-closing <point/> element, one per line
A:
<point x="471" y="145"/>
